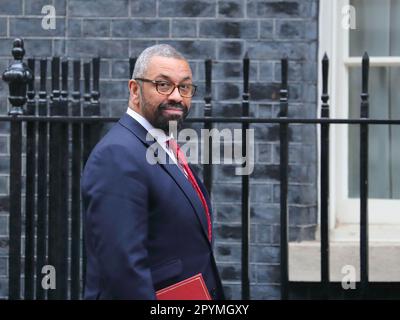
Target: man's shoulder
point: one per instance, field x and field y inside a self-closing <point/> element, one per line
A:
<point x="117" y="156"/>
<point x="119" y="131"/>
<point x="117" y="141"/>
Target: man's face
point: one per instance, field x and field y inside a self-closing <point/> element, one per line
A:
<point x="158" y="108"/>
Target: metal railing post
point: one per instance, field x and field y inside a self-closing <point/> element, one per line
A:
<point x="364" y="141"/>
<point x="245" y="186"/>
<point x="284" y="167"/>
<point x="17" y="76"/>
<point x="325" y="180"/>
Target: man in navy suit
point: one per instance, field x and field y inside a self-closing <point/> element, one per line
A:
<point x="146" y="225"/>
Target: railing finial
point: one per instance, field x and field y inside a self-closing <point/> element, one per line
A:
<point x="17" y="75"/>
<point x="18" y="50"/>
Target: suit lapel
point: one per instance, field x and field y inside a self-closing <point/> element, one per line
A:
<point x="173" y="170"/>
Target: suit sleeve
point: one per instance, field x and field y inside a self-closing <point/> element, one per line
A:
<point x="115" y="197"/>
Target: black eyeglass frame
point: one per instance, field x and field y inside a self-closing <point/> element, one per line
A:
<point x="157" y="82"/>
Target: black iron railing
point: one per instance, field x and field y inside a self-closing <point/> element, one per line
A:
<point x="53" y="234"/>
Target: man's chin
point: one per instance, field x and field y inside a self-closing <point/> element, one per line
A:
<point x="170" y="122"/>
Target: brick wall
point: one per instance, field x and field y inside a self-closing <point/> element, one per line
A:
<point x="223" y="31"/>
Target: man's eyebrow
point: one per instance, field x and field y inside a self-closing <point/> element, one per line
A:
<point x="186" y="78"/>
<point x="169" y="79"/>
<point x="163" y="76"/>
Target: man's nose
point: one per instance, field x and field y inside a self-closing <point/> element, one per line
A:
<point x="175" y="95"/>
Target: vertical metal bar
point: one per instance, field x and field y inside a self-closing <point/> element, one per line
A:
<point x="86" y="111"/>
<point x="245" y="186"/>
<point x="283" y="168"/>
<point x="54" y="179"/>
<point x="17" y="76"/>
<point x="91" y="131"/>
<point x="95" y="105"/>
<point x="63" y="214"/>
<point x="91" y="107"/>
<point x="75" y="186"/>
<point x="41" y="228"/>
<point x="30" y="189"/>
<point x="208" y="126"/>
<point x="132" y="62"/>
<point x="86" y="148"/>
<point x="325" y="180"/>
<point x="15" y="211"/>
<point x="364" y="113"/>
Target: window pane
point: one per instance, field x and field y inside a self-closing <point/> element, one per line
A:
<point x="377" y="28"/>
<point x="384" y="140"/>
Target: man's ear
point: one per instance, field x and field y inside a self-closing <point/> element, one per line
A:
<point x="134" y="91"/>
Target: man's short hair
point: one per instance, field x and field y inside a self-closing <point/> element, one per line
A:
<point x="159" y="50"/>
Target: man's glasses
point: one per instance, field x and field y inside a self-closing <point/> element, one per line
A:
<point x="186" y="90"/>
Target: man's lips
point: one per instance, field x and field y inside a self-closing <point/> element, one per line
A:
<point x="173" y="110"/>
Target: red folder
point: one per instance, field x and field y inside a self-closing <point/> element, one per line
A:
<point x="193" y="288"/>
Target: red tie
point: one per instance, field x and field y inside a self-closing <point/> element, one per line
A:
<point x="180" y="156"/>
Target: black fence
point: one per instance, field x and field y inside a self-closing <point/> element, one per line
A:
<point x="55" y="152"/>
<point x="60" y="133"/>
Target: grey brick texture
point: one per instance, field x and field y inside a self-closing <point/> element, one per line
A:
<point x="223" y="30"/>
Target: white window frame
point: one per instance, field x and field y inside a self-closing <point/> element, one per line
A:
<point x="334" y="40"/>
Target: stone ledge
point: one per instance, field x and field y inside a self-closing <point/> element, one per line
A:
<point x="305" y="260"/>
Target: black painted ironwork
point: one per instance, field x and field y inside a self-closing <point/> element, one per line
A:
<point x="364" y="113"/>
<point x="324" y="182"/>
<point x="17" y="75"/>
<point x="30" y="189"/>
<point x="283" y="169"/>
<point x="55" y="181"/>
<point x="52" y="237"/>
<point x="76" y="167"/>
<point x="132" y="62"/>
<point x="42" y="184"/>
<point x="245" y="184"/>
<point x="208" y="126"/>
